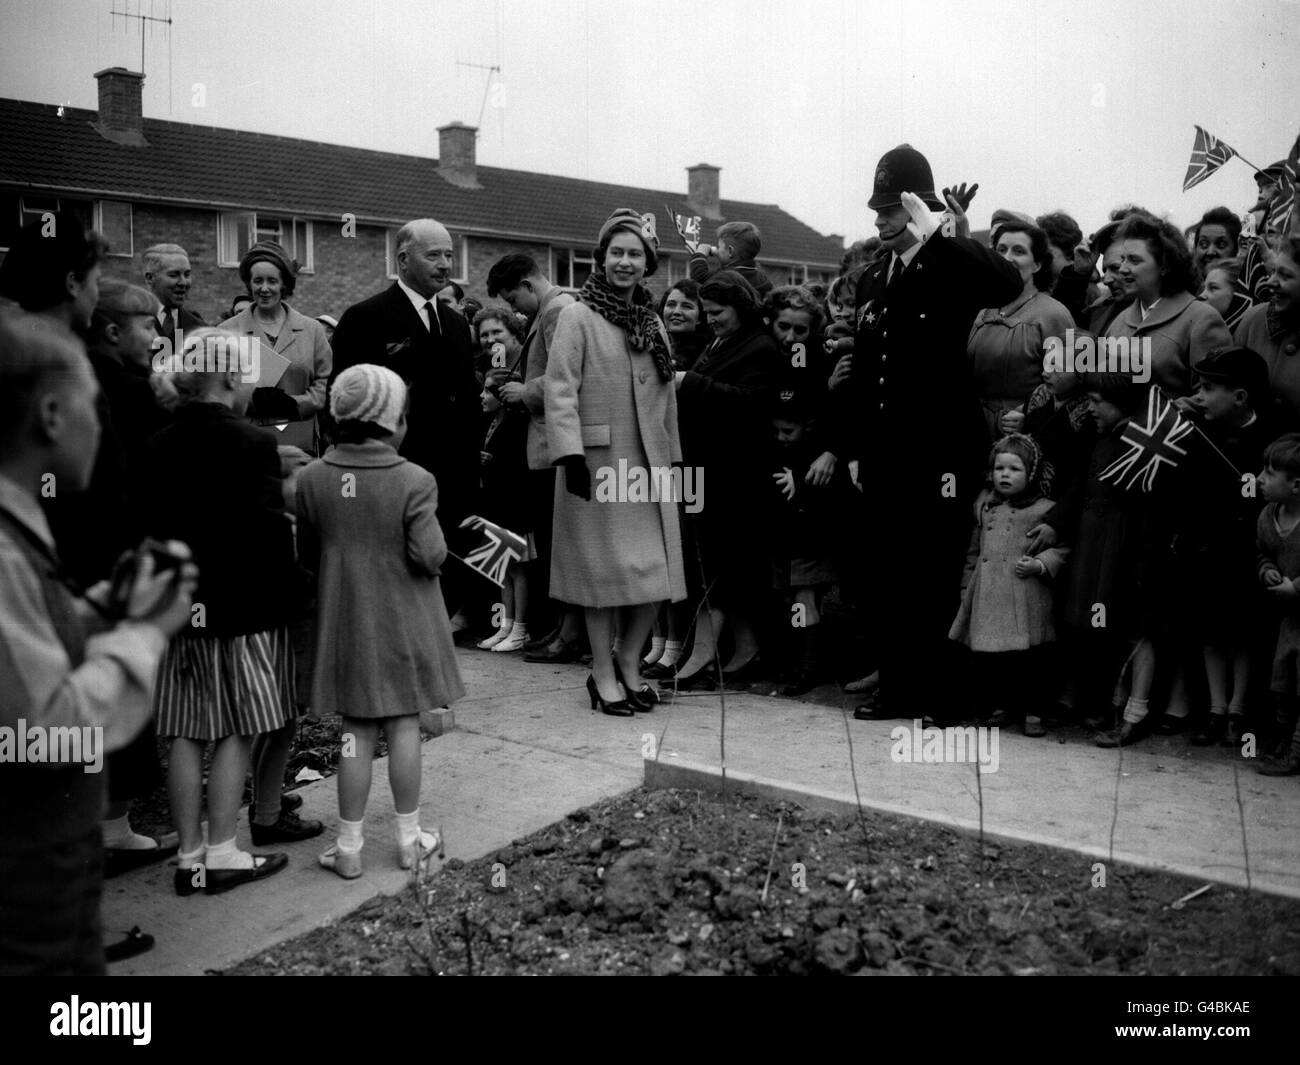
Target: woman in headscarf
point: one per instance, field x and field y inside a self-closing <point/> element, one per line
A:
<point x="611" y="423"/>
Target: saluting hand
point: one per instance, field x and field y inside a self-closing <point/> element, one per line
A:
<point x="924" y="221"/>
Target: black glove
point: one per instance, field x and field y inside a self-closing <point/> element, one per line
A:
<point x="577" y="478"/>
<point x="272" y="405"/>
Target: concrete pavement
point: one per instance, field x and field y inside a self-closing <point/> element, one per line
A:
<point x="527" y="750"/>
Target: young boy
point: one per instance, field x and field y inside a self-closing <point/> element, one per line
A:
<point x="738" y="246"/>
<point x="55" y="674"/>
<point x="1218" y="527"/>
<point x="1278" y="537"/>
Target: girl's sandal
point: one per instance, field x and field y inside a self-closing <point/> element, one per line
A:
<point x="346" y="863"/>
<point x="425" y="846"/>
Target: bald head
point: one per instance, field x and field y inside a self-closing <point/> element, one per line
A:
<point x="425" y="256"/>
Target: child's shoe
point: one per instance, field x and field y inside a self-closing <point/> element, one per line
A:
<point x="1033" y="726"/>
<point x="421" y="849"/>
<point x="501" y="634"/>
<point x="515" y="639"/>
<point x="346" y="863"/>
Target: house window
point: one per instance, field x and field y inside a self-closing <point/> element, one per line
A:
<point x="569" y="268"/>
<point x="113" y="220"/>
<point x="18" y="211"/>
<point x="237" y="231"/>
<point x="460" y="256"/>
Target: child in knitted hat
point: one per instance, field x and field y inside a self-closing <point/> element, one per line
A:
<point x="1005" y="615"/>
<point x="368" y="527"/>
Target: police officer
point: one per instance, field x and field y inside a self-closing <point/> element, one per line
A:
<point x="909" y="415"/>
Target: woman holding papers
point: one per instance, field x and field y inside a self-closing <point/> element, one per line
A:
<point x="293" y="352"/>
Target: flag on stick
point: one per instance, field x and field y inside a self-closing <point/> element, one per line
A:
<point x="688" y="228"/>
<point x="1208" y="154"/>
<point x="489" y="549"/>
<point x="1152" y="444"/>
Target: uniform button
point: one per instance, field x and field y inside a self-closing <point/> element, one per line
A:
<point x="884" y="335"/>
<point x="882" y="358"/>
<point x="922" y="316"/>
<point x="882" y="380"/>
<point x="644" y="375"/>
<point x="882" y="406"/>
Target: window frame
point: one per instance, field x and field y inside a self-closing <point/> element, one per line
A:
<point x="228" y="235"/>
<point x="129" y="253"/>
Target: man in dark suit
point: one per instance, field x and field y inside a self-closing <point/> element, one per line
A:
<point x="409" y="330"/>
<point x="909" y="416"/>
<point x="167" y="275"/>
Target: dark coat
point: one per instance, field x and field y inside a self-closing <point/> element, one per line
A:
<point x="189" y="322"/>
<point x="212" y="481"/>
<point x="444" y="425"/>
<point x="94" y="527"/>
<point x="909" y="415"/>
<point x="724" y="407"/>
<point x="504" y="495"/>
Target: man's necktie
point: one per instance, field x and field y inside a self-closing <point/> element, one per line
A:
<point x="895" y="271"/>
<point x="432" y="312"/>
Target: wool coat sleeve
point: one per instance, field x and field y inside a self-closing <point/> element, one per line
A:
<point x="1207" y="332"/>
<point x="1054" y="559"/>
<point x="426" y="548"/>
<point x="305" y="525"/>
<point x="723" y="398"/>
<point x="563" y="384"/>
<point x="322" y="357"/>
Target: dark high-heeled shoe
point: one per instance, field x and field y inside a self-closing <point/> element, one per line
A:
<point x="622" y="708"/>
<point x="643" y="699"/>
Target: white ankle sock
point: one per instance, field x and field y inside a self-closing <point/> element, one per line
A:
<point x="408" y="827"/>
<point x="672" y="652"/>
<point x="118" y="835"/>
<point x="656" y="651"/>
<point x="506" y="625"/>
<point x="1135" y="710"/>
<point x="350" y="838"/>
<point x="228" y="856"/>
<point x="187" y="860"/>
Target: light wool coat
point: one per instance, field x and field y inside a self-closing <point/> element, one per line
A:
<point x="1182" y="331"/>
<point x="1000" y="611"/>
<point x="606" y="402"/>
<point x="368" y="527"/>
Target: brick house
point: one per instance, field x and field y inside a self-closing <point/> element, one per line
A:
<point x="143" y="181"/>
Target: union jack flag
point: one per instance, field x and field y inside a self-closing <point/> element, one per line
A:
<point x="1151" y="445"/>
<point x="1278" y="213"/>
<point x="1208" y="154"/>
<point x="491" y="551"/>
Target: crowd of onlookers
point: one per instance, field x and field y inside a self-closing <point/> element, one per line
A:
<point x="200" y="550"/>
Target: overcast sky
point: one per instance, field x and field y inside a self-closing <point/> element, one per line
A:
<point x="1046" y="103"/>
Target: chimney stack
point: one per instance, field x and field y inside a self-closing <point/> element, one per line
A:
<point x="121" y="109"/>
<point x="702" y="190"/>
<point x="456" y="164"/>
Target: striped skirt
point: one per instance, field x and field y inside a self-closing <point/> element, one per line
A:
<point x="210" y="687"/>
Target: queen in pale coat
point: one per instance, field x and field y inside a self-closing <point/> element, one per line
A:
<point x="611" y="421"/>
